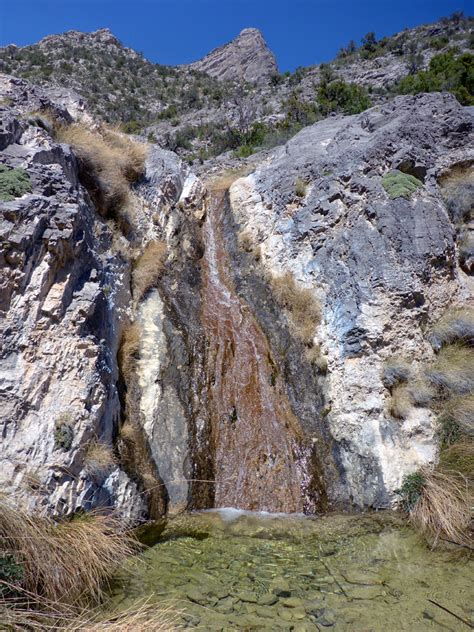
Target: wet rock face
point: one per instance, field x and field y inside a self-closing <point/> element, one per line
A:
<point x="383" y="268"/>
<point x="246" y="58"/>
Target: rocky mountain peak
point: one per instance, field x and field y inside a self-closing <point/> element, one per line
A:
<point x="247" y="58"/>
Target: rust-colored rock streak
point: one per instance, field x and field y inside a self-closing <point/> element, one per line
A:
<point x="255" y="434"/>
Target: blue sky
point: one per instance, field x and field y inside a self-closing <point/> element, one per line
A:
<point x="300" y="32"/>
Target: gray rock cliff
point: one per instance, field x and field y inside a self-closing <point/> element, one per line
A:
<point x="245" y="58"/>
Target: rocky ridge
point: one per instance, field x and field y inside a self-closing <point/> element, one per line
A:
<point x="246" y="58"/>
<point x="198" y="109"/>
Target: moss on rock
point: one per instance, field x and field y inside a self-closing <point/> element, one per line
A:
<point x="399" y="184"/>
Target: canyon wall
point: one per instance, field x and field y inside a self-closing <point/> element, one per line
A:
<point x="89" y="361"/>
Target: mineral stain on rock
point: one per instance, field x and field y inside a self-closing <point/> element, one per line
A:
<point x="256" y="438"/>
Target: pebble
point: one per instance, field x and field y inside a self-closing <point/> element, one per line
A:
<point x="292" y="602"/>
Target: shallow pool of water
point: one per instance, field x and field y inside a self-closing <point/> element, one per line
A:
<point x="242" y="571"/>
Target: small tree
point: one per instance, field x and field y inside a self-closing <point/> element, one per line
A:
<point x="369" y="42"/>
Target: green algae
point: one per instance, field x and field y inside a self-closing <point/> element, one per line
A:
<point x="341" y="573"/>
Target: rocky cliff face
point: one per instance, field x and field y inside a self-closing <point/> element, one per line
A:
<point x="172" y="382"/>
<point x="65" y="302"/>
<point x="384" y="269"/>
<point x="245" y="58"/>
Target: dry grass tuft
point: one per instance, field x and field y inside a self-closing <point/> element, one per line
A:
<point x="109" y="162"/>
<point x="148" y="268"/>
<point x="245" y="241"/>
<point x="302" y="306"/>
<point x="452" y="371"/>
<point x="401" y="402"/>
<point x="225" y="179"/>
<point x="99" y="460"/>
<point x="129" y="349"/>
<point x="459" y="457"/>
<point x="395" y="371"/>
<point x="444" y="507"/>
<point x="300" y="188"/>
<point x="63" y="561"/>
<point x="456" y="325"/>
<point x="31" y="612"/>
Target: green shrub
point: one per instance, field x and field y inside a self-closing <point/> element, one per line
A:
<point x="63" y="432"/>
<point x="341" y="96"/>
<point x="398" y="184"/>
<point x="13" y="183"/>
<point x="10" y="572"/>
<point x="447" y="72"/>
<point x="411" y="489"/>
<point x="244" y="151"/>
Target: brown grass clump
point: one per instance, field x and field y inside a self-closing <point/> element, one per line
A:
<point x="63" y="561"/>
<point x="452" y="371"/>
<point x="300" y="188"/>
<point x="400" y="402"/>
<point x="302" y="306"/>
<point x="109" y="163"/>
<point x="224" y="180"/>
<point x="245" y="241"/>
<point x="461" y="411"/>
<point x="444" y="507"/>
<point x="459" y="457"/>
<point x="99" y="460"/>
<point x="30" y="612"/>
<point x="148" y="268"/>
<point x="129" y="349"/>
<point x="456" y="325"/>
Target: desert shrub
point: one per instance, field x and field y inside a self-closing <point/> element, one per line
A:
<point x="335" y="96"/>
<point x="443" y="506"/>
<point x="303" y="308"/>
<point x="63" y="432"/>
<point x="395" y="371"/>
<point x="99" y="460"/>
<point x="398" y="184"/>
<point x="148" y="268"/>
<point x="13" y="183"/>
<point x="300" y="187"/>
<point x="109" y="162"/>
<point x="452" y="371"/>
<point x="456" y="325"/>
<point x="400" y="402"/>
<point x="446" y="72"/>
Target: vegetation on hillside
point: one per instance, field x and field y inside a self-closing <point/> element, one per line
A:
<point x="447" y="72"/>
